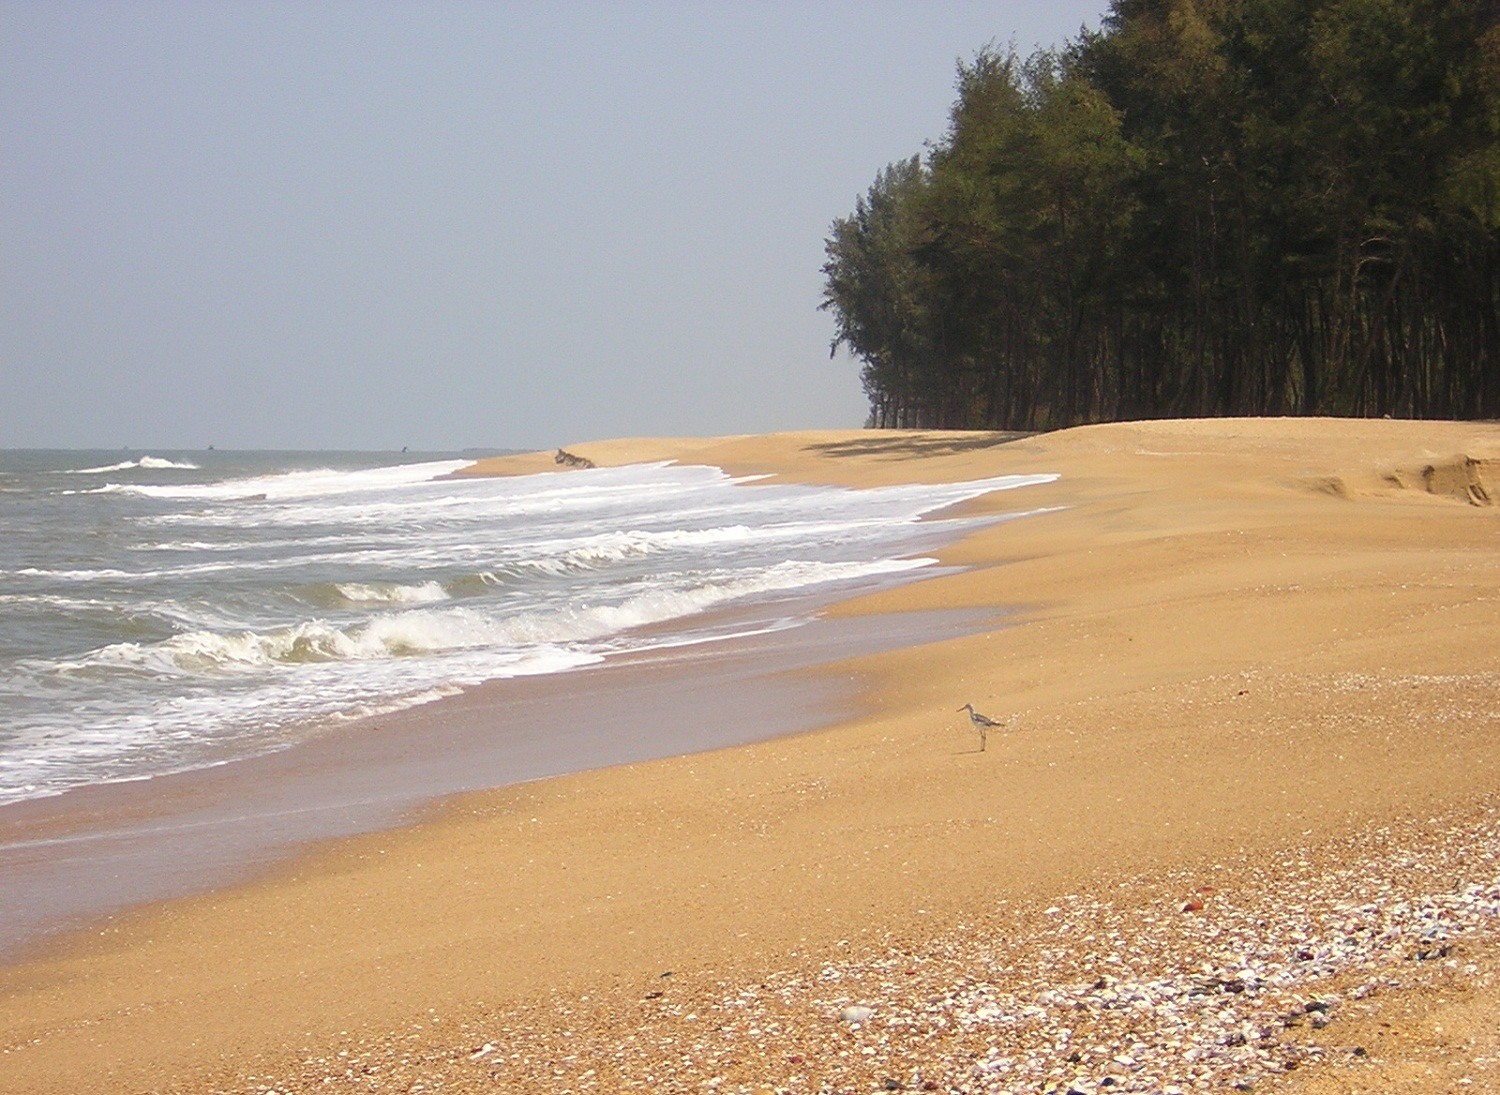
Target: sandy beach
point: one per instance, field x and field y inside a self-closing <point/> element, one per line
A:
<point x="1250" y="687"/>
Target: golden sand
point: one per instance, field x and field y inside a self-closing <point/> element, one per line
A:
<point x="1235" y="643"/>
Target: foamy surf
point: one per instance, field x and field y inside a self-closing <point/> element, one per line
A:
<point x="183" y="616"/>
<point x="313" y="483"/>
<point x="155" y="463"/>
<point x="391" y="592"/>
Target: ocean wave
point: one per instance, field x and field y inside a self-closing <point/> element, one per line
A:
<point x="391" y="592"/>
<point x="150" y="462"/>
<point x="72" y="575"/>
<point x="53" y="600"/>
<point x="602" y="550"/>
<point x="299" y="544"/>
<point x="205" y="627"/>
<point x="614" y="547"/>
<point x="240" y="566"/>
<point x="558" y="558"/>
<point x="436" y="631"/>
<point x="116" y="574"/>
<point x="392" y="704"/>
<point x="192" y="545"/>
<point x="423" y="493"/>
<point x="296" y="485"/>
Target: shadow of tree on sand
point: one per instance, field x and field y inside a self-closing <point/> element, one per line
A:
<point x="906" y="446"/>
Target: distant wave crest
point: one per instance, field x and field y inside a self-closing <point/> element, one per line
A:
<point x="151" y="462"/>
<point x="305" y="484"/>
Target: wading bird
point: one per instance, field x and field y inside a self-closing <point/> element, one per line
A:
<point x="982" y="723"/>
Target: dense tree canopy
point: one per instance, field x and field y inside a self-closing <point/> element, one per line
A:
<point x="1207" y="207"/>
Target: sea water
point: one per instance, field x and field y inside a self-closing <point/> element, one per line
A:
<point x="166" y="611"/>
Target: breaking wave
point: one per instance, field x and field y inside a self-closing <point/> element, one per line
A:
<point x="429" y="631"/>
<point x="362" y="593"/>
<point x="151" y="462"/>
<point x="295" y="485"/>
<point x="226" y="611"/>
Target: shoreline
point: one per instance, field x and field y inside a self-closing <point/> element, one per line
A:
<point x="1240" y="638"/>
<point x="76" y="861"/>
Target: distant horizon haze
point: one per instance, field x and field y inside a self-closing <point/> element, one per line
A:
<point x="332" y="226"/>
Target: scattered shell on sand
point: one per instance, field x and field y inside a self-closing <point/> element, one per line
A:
<point x="1125" y="991"/>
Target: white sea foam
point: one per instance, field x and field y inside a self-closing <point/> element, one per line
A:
<point x="399" y="703"/>
<point x="292" y="485"/>
<point x="391" y="592"/>
<point x="53" y="600"/>
<point x="193" y="545"/>
<point x="425" y="631"/>
<point x="83" y="575"/>
<point x="299" y="544"/>
<point x="220" y="617"/>
<point x="241" y="566"/>
<point x="148" y="462"/>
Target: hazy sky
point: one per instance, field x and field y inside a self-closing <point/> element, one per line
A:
<point x="364" y="225"/>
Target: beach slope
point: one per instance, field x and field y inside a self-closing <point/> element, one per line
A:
<point x="1233" y="660"/>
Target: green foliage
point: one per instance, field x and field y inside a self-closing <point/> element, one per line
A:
<point x="880" y="293"/>
<point x="1216" y="207"/>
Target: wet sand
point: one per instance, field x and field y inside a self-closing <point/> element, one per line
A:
<point x="1236" y="645"/>
<point x="69" y="861"/>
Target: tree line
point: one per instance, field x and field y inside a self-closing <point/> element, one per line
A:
<point x="1206" y="207"/>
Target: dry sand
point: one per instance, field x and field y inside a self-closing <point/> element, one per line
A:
<point x="1251" y="666"/>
